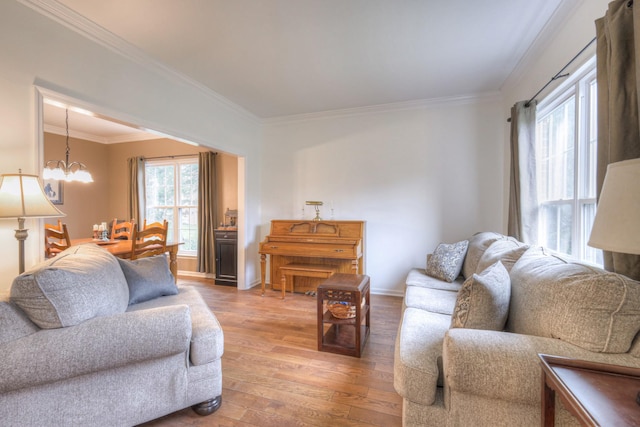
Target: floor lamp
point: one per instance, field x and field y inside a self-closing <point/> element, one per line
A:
<point x="616" y="227"/>
<point x="22" y="196"/>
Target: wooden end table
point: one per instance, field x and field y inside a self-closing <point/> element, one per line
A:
<point x="596" y="393"/>
<point x="344" y="336"/>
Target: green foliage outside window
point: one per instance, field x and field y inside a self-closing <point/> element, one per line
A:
<point x="172" y="194"/>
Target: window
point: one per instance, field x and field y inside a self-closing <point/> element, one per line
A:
<point x="172" y="194"/>
<point x="566" y="138"/>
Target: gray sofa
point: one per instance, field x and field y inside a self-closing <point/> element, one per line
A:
<point x="74" y="351"/>
<point x="459" y="374"/>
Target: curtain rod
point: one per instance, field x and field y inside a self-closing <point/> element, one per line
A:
<point x="559" y="74"/>
<point x="175" y="156"/>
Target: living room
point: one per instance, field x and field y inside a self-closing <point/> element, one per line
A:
<point x="419" y="171"/>
<point x="397" y="188"/>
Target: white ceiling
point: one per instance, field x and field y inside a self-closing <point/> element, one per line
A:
<point x="285" y="57"/>
<point x="89" y="127"/>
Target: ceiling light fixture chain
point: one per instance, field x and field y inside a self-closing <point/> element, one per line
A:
<point x="66" y="125"/>
<point x="63" y="170"/>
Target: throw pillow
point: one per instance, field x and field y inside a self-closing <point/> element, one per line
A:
<point x="148" y="278"/>
<point x="446" y="261"/>
<point x="483" y="301"/>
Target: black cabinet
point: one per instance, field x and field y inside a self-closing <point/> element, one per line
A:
<point x="226" y="257"/>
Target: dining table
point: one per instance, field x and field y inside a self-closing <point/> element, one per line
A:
<point x="122" y="249"/>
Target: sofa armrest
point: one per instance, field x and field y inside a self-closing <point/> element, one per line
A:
<point x="98" y="344"/>
<point x="207" y="338"/>
<point x="503" y="365"/>
<point x="417" y="361"/>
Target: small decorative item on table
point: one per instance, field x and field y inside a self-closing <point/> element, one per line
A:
<point x="344" y="309"/>
<point x="101" y="232"/>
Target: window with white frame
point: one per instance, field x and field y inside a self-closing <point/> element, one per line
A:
<point x="566" y="146"/>
<point x="171" y="187"/>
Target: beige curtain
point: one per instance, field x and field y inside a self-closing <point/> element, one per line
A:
<point x="136" y="189"/>
<point x="522" y="222"/>
<point x="207" y="211"/>
<point x="618" y="99"/>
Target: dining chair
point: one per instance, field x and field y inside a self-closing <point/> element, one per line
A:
<point x="151" y="240"/>
<point x="56" y="239"/>
<point x="123" y="229"/>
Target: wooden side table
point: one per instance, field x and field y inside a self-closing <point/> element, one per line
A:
<point x="596" y="393"/>
<point x="344" y="336"/>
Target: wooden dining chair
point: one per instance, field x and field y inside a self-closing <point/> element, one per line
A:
<point x="56" y="239"/>
<point x="123" y="229"/>
<point x="151" y="240"/>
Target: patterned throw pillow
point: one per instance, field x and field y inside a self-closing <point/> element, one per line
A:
<point x="483" y="301"/>
<point x="446" y="261"/>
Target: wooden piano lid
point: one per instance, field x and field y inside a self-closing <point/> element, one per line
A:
<point x="317" y="229"/>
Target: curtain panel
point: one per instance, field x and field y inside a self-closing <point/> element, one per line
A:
<point x="618" y="40"/>
<point x="207" y="211"/>
<point x="136" y="189"/>
<point x="522" y="221"/>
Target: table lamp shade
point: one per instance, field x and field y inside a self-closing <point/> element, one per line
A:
<point x="22" y="196"/>
<point x="616" y="227"/>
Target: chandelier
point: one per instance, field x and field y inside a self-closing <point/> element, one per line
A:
<point x="62" y="170"/>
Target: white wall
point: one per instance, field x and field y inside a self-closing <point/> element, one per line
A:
<point x="37" y="50"/>
<point x="418" y="176"/>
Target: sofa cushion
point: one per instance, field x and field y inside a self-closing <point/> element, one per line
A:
<point x="433" y="300"/>
<point x="478" y="243"/>
<point x="418" y="277"/>
<point x="483" y="301"/>
<point x="507" y="251"/>
<point x="446" y="261"/>
<point x="584" y="305"/>
<point x="148" y="278"/>
<point x="80" y="283"/>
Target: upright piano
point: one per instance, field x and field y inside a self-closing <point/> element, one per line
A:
<point x="339" y="244"/>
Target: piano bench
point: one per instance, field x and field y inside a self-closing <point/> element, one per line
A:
<point x="306" y="270"/>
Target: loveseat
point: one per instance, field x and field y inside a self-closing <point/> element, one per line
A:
<point x="467" y="350"/>
<point x="87" y="339"/>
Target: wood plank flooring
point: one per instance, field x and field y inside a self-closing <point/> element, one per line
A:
<point x="273" y="375"/>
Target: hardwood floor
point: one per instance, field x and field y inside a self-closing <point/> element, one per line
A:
<point x="274" y="376"/>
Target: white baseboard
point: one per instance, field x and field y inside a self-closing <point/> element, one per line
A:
<point x="196" y="274"/>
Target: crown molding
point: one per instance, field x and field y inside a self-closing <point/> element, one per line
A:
<point x="92" y="31"/>
<point x="419" y="104"/>
<point x="132" y="137"/>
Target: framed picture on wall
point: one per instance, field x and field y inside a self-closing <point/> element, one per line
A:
<point x="54" y="190"/>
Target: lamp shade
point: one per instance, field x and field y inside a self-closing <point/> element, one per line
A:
<point x="22" y="196"/>
<point x="616" y="227"/>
